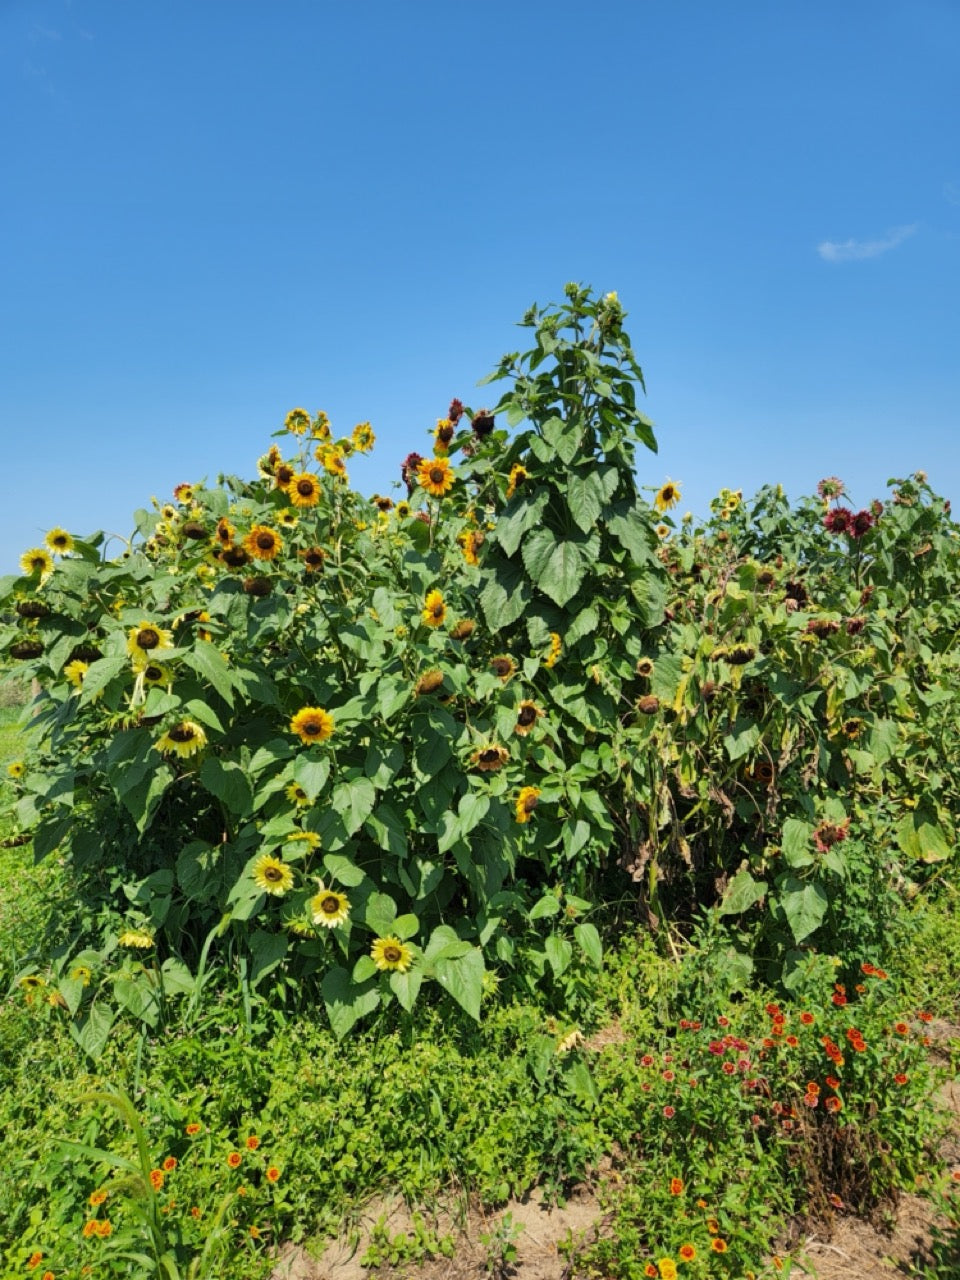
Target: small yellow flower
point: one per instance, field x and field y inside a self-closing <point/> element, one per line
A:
<point x="434" y="609"/>
<point x="362" y="437"/>
<point x="145" y="641"/>
<point x="556" y="646"/>
<point x="272" y="876"/>
<point x="59" y="541"/>
<point x="329" y="908"/>
<point x="668" y="495"/>
<point x="296" y="795"/>
<point x="297" y="422"/>
<point x="16" y="769"/>
<point x="312" y="724"/>
<point x="37" y="561"/>
<point x="135" y="939"/>
<point x="81" y="973"/>
<point x="75" y="671"/>
<point x="518" y="475"/>
<point x="391" y="953"/>
<point x="183" y="739"/>
<point x="526" y="802"/>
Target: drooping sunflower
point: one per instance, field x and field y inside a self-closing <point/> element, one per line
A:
<point x="283" y="473"/>
<point x="556" y="646"/>
<point x="527" y="715"/>
<point x="429" y="682"/>
<point x="328" y="907"/>
<point x="436" y="476"/>
<point x="312" y="724"/>
<point x="272" y="876"/>
<point x="136" y="939"/>
<point x="313" y="559"/>
<point x="59" y="541"/>
<point x="391" y="953"/>
<point x="262" y="543"/>
<point x="183" y="739"/>
<point x="36" y="561"/>
<point x="434" y="609"/>
<point x="304" y="490"/>
<point x="527" y="800"/>
<point x="75" y="671"/>
<point x="442" y="435"/>
<point x="463" y="630"/>
<point x="321" y="426"/>
<point x="331" y="459"/>
<point x="518" y="475"/>
<point x="362" y="437"/>
<point x="225" y="532"/>
<point x="145" y="641"/>
<point x="297" y="422"/>
<point x="668" y="495"/>
<point x="470" y="542"/>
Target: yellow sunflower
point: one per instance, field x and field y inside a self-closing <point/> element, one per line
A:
<point x="59" y="541"/>
<point x="225" y="532"/>
<point x="331" y="459"/>
<point x="304" y="490"/>
<point x="517" y="477"/>
<point x="16" y="769"/>
<point x="436" y="476"/>
<point x="391" y="953"/>
<point x="297" y="421"/>
<point x="145" y="641"/>
<point x="313" y="558"/>
<point x="328" y="907"/>
<point x="81" y="973"/>
<point x="262" y="543"/>
<point x="527" y="801"/>
<point x="36" y="561"/>
<point x="668" y="495"/>
<point x="296" y="795"/>
<point x="403" y="510"/>
<point x="136" y="939"/>
<point x="272" y="876"/>
<point x="184" y="739"/>
<point x="153" y="673"/>
<point x="470" y="542"/>
<point x="503" y="667"/>
<point x="183" y="493"/>
<point x="490" y="759"/>
<point x="312" y="724"/>
<point x="287" y="518"/>
<point x="556" y="646"/>
<point x="527" y="715"/>
<point x="75" y="671"/>
<point x="362" y="437"/>
<point x="434" y="609"/>
<point x="321" y="427"/>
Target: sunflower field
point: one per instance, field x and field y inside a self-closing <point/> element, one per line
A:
<point x="363" y="748"/>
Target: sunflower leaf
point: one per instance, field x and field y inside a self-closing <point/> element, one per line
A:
<point x="462" y="976"/>
<point x="346" y="1002"/>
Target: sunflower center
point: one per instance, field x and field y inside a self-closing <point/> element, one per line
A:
<point x="152" y="673"/>
<point x="273" y="874"/>
<point x="437" y="475"/>
<point x="330" y="905"/>
<point x="527" y="716"/>
<point x="284" y="474"/>
<point x="181" y="733"/>
<point x="147" y="638"/>
<point x="392" y="954"/>
<point x="38" y="562"/>
<point x="305" y="488"/>
<point x="312" y="728"/>
<point x="530" y="803"/>
<point x="436" y="611"/>
<point x="265" y="541"/>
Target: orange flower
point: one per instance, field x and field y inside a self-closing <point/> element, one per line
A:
<point x="687" y="1252"/>
<point x="104" y="1229"/>
<point x="718" y="1245"/>
<point x="676" y="1186"/>
<point x="170" y="1164"/>
<point x="806" y="1018"/>
<point x="156" y="1179"/>
<point x="713" y="1226"/>
<point x="834" y="1104"/>
<point x="272" y="1174"/>
<point x="34" y="1260"/>
<point x="234" y="1159"/>
<point x="901" y="1028"/>
<point x="192" y="1129"/>
<point x="253" y="1142"/>
<point x="97" y="1197"/>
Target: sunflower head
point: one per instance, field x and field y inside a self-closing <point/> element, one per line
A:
<point x="391" y="953"/>
<point x="490" y="758"/>
<point x="297" y="422"/>
<point x="429" y="682"/>
<point x="36" y="563"/>
<point x="527" y="800"/>
<point x="312" y="724"/>
<point x="136" y="939"/>
<point x="304" y="490"/>
<point x="463" y="630"/>
<point x="183" y="739"/>
<point x="434" y="610"/>
<point x="59" y="541"/>
<point x="258" y="587"/>
<point x="362" y="437"/>
<point x="503" y="667"/>
<point x="272" y="876"/>
<point x="518" y="476"/>
<point x="328" y="907"/>
<point x="313" y="559"/>
<point x="235" y="557"/>
<point x="296" y="795"/>
<point x="262" y="543"/>
<point x="225" y="532"/>
<point x="75" y="671"/>
<point x="527" y="715"/>
<point x="436" y="476"/>
<point x="668" y="495"/>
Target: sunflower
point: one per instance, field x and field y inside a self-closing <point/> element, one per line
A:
<point x="470" y="542"/>
<point x="463" y="630"/>
<point x="184" y="739"/>
<point x="312" y="724"/>
<point x="527" y="801"/>
<point x="362" y="437"/>
<point x="296" y="795"/>
<point x="75" y="671"/>
<point x="436" y="476"/>
<point x="225" y="532"/>
<point x="297" y="422"/>
<point x="283" y="473"/>
<point x="135" y="939"/>
<point x="668" y="495"/>
<point x="309" y="838"/>
<point x="272" y="876"/>
<point x="321" y="426"/>
<point x="36" y="561"/>
<point x="145" y="641"/>
<point x="503" y="667"/>
<point x="153" y="673"/>
<point x="490" y="759"/>
<point x="556" y="646"/>
<point x="304" y="490"/>
<point x="82" y="973"/>
<point x="59" y="541"/>
<point x="331" y="459"/>
<point x="527" y="716"/>
<point x="429" y="682"/>
<point x="442" y="435"/>
<point x="391" y="953"/>
<point x="16" y="770"/>
<point x="328" y="907"/>
<point x="518" y="475"/>
<point x="183" y="493"/>
<point x="434" y="610"/>
<point x="262" y="543"/>
<point x="403" y="510"/>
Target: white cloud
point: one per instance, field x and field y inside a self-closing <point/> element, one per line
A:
<point x="854" y="250"/>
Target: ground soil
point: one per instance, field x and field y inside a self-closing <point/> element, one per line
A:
<point x="896" y="1239"/>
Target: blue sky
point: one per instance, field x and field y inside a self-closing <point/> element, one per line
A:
<point x="212" y="212"/>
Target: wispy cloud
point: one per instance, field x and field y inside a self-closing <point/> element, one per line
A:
<point x="855" y="250"/>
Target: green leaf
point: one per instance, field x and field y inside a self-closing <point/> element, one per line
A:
<point x="405" y="927"/>
<point x="745" y="736"/>
<point x="565" y="437"/>
<point x="472" y="810"/>
<point x="804" y="904"/>
<point x="344" y="871"/>
<point x="345" y="1002"/>
<point x="267" y="950"/>
<point x="548" y="905"/>
<point x="743" y="892"/>
<point x="523" y="513"/>
<point x="99" y="675"/>
<point x="354" y="802"/>
<point x="228" y="782"/>
<point x="559" y="953"/>
<point x="462" y="977"/>
<point x="380" y="914"/>
<point x="590" y="944"/>
<point x="797" y="842"/>
<point x="585" y="498"/>
<point x="311" y="774"/>
<point x="505" y="596"/>
<point x="922" y="838"/>
<point x="92" y="1033"/>
<point x="209" y="663"/>
<point x="557" y="568"/>
<point x="406" y="986"/>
